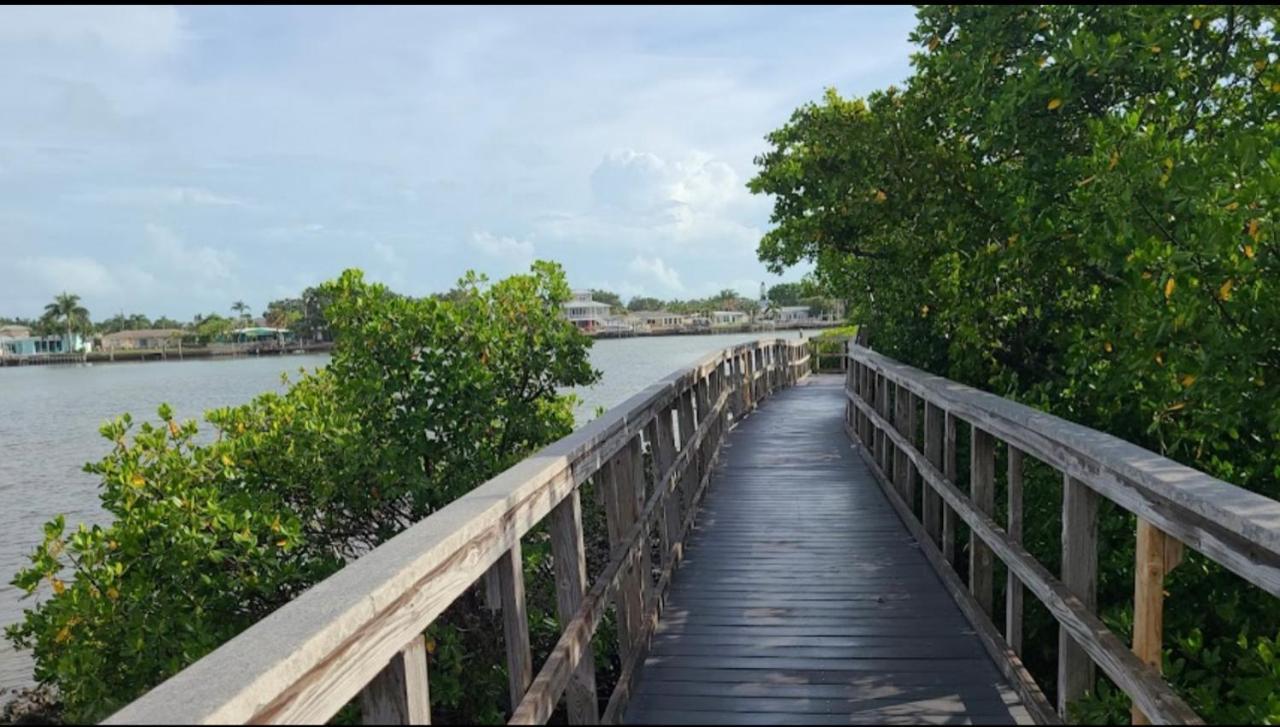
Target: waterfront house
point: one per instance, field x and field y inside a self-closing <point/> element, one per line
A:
<point x="56" y="343"/>
<point x="794" y="315"/>
<point x="729" y="318"/>
<point x="659" y="321"/>
<point x="141" y="339"/>
<point x="588" y="315"/>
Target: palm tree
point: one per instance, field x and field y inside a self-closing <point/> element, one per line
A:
<point x="65" y="311"/>
<point x="240" y="307"/>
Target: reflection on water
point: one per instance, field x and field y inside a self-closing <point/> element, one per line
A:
<point x="49" y="419"/>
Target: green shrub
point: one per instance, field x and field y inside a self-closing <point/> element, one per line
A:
<point x="422" y="400"/>
<point x="1075" y="206"/>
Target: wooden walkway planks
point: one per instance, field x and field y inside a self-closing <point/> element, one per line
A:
<point x="802" y="598"/>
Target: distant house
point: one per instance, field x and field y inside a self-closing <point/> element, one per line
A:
<point x="794" y="314"/>
<point x="14" y="331"/>
<point x="262" y="334"/>
<point x="588" y="315"/>
<point x="43" y="345"/>
<point x="728" y="318"/>
<point x="141" y="339"/>
<point x="660" y="320"/>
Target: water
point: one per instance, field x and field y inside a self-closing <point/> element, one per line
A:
<point x="49" y="419"/>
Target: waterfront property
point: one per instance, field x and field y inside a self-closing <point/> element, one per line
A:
<point x="45" y="345"/>
<point x="142" y="339"/>
<point x="723" y="318"/>
<point x="660" y="321"/>
<point x="793" y="315"/>
<point x="588" y="315"/>
<point x="818" y="580"/>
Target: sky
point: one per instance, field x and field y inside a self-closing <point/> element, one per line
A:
<point x="171" y="161"/>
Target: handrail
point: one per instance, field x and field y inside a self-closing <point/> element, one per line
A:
<point x="1175" y="504"/>
<point x="358" y="632"/>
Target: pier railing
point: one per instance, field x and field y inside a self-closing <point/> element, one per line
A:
<point x="907" y="422"/>
<point x="359" y="632"/>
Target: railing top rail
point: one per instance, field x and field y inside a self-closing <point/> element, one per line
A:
<point x="349" y="625"/>
<point x="1237" y="528"/>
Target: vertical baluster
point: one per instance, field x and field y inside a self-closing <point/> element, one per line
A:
<point x="399" y="694"/>
<point x="1157" y="554"/>
<point x="1080" y="575"/>
<point x="618" y="486"/>
<point x="982" y="483"/>
<point x="933" y="435"/>
<point x="662" y="451"/>
<point x="949" y="471"/>
<point x="689" y="477"/>
<point x="509" y="573"/>
<point x="571" y="577"/>
<point x="1013" y="587"/>
<point x="901" y="397"/>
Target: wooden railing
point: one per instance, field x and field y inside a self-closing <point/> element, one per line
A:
<point x="906" y="421"/>
<point x="359" y="632"/>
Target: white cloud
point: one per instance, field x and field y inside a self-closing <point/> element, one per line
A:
<point x="658" y="271"/>
<point x="179" y="196"/>
<point x="80" y="275"/>
<point x="139" y="30"/>
<point x="517" y="254"/>
<point x="193" y="261"/>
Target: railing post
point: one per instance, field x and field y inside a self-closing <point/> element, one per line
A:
<point x="1080" y="575"/>
<point x="515" y="622"/>
<point x="1012" y="586"/>
<point x="662" y="449"/>
<point x="618" y="485"/>
<point x="689" y="477"/>
<point x="931" y="508"/>
<point x="949" y="471"/>
<point x="399" y="694"/>
<point x="1157" y="554"/>
<point x="982" y="473"/>
<point x="571" y="577"/>
<point x="901" y="467"/>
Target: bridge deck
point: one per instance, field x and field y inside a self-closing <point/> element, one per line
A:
<point x="803" y="599"/>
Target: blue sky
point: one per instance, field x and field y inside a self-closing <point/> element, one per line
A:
<point x="173" y="160"/>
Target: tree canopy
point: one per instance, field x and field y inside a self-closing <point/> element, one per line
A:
<point x="1074" y="206"/>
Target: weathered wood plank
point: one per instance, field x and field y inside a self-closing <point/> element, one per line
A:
<point x="932" y="504"/>
<point x="571" y="578"/>
<point x="1013" y="587"/>
<point x="1150" y="567"/>
<point x="1080" y="575"/>
<point x="515" y="622"/>
<point x="982" y="489"/>
<point x="399" y="694"/>
<point x="949" y="467"/>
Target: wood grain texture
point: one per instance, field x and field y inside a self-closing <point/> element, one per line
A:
<point x="1013" y="588"/>
<point x="982" y="492"/>
<point x="399" y="694"/>
<point x="515" y="621"/>
<point x="1080" y="576"/>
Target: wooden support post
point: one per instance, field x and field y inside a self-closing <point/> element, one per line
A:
<point x="1080" y="575"/>
<point x="515" y="622"/>
<point x="1157" y="554"/>
<point x="571" y="578"/>
<point x="900" y="398"/>
<point x="644" y="571"/>
<point x="662" y="448"/>
<point x="932" y="505"/>
<point x="399" y="694"/>
<point x="882" y="398"/>
<point x="688" y="478"/>
<point x="949" y="471"/>
<point x="1013" y="587"/>
<point x="982" y="484"/>
<point x="618" y="486"/>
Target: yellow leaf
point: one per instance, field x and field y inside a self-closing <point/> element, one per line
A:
<point x="281" y="543"/>
<point x="881" y="196"/>
<point x="112" y="593"/>
<point x="1188" y="380"/>
<point x="1169" y="286"/>
<point x="924" y="310"/>
<point x="1054" y="103"/>
<point x="1168" y="162"/>
<point x="226" y="460"/>
<point x="1160" y="358"/>
<point x="1106" y="346"/>
<point x="1233" y="206"/>
<point x="1248" y="251"/>
<point x="1155" y="49"/>
<point x="1115" y="159"/>
<point x="58" y="587"/>
<point x="1177" y="406"/>
<point x="137" y="480"/>
<point x="1275" y="87"/>
<point x="431" y="646"/>
<point x="1224" y="293"/>
<point x="173" y="428"/>
<point x="1196" y="23"/>
<point x="64" y="635"/>
<point x="1253" y="229"/>
<point x="933" y="43"/>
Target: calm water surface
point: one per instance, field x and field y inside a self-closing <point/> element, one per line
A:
<point x="49" y="419"/>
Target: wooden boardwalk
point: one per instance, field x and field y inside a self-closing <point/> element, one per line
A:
<point x="802" y="598"/>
